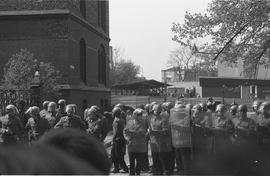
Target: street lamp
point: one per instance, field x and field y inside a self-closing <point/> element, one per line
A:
<point x="35" y="89"/>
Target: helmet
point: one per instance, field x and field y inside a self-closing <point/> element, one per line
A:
<point x="264" y="107"/>
<point x="61" y="103"/>
<point x="220" y="108"/>
<point x="164" y="106"/>
<point x="70" y="109"/>
<point x="197" y="107"/>
<point x="138" y="112"/>
<point x="256" y="104"/>
<point x="116" y="112"/>
<point x="11" y="109"/>
<point x="157" y="108"/>
<point x="204" y="106"/>
<point x="119" y="106"/>
<point x="233" y="109"/>
<point x="34" y="110"/>
<point x="45" y="104"/>
<point x="147" y="107"/>
<point x="178" y="106"/>
<point x="95" y="109"/>
<point x="243" y="108"/>
<point x="52" y="107"/>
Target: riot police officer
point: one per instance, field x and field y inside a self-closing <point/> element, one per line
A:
<point x="51" y="115"/>
<point x="94" y="124"/>
<point x="61" y="109"/>
<point x="35" y="126"/>
<point x="44" y="111"/>
<point x="160" y="141"/>
<point x="244" y="126"/>
<point x="135" y="133"/>
<point x="71" y="120"/>
<point x="118" y="142"/>
<point x="11" y="126"/>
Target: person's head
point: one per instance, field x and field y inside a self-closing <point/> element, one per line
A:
<point x="121" y="106"/>
<point x="45" y="105"/>
<point x="52" y="107"/>
<point x="157" y="109"/>
<point x="147" y="108"/>
<point x="116" y="112"/>
<point x="256" y="104"/>
<point x="11" y="110"/>
<point x="197" y="109"/>
<point x="92" y="114"/>
<point x="221" y="110"/>
<point x="80" y="145"/>
<point x="204" y="106"/>
<point x="265" y="109"/>
<point x="242" y="110"/>
<point x="141" y="106"/>
<point x="70" y="109"/>
<point x="61" y="104"/>
<point x="233" y="109"/>
<point x="137" y="114"/>
<point x="34" y="111"/>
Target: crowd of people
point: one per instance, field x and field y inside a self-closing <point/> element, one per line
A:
<point x="54" y="140"/>
<point x="205" y="138"/>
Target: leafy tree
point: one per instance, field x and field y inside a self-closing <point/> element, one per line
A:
<point x="20" y="69"/>
<point x="123" y="71"/>
<point x="184" y="60"/>
<point x="236" y="29"/>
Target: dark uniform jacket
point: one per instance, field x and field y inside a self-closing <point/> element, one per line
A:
<point x="36" y="127"/>
<point x="95" y="127"/>
<point x="71" y="121"/>
<point x="11" y="129"/>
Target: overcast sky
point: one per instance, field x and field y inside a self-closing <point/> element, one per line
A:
<point x="142" y="29"/>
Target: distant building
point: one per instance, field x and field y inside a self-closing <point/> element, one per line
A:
<point x="232" y="82"/>
<point x="72" y="34"/>
<point x="181" y="83"/>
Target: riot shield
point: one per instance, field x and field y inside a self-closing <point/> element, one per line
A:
<point x="180" y="128"/>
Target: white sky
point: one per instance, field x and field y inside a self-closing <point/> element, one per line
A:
<point x="142" y="28"/>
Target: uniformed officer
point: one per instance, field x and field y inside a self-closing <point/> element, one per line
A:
<point x="233" y="113"/>
<point x="11" y="126"/>
<point x="94" y="124"/>
<point x="71" y="120"/>
<point x="160" y="141"/>
<point x="223" y="129"/>
<point x="255" y="108"/>
<point x="180" y="122"/>
<point x="35" y="126"/>
<point x="44" y="111"/>
<point x="263" y="127"/>
<point x="244" y="127"/>
<point x="135" y="133"/>
<point x="51" y="115"/>
<point x="61" y="111"/>
<point x="118" y="142"/>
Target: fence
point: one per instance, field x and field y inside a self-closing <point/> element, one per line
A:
<point x="19" y="98"/>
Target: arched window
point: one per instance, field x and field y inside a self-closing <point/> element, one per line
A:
<point x="83" y="8"/>
<point x="102" y="66"/>
<point x="102" y="14"/>
<point x="83" y="60"/>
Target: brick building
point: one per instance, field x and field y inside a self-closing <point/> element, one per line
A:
<point x="72" y="34"/>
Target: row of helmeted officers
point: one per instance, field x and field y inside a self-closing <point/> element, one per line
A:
<point x="31" y="125"/>
<point x="182" y="136"/>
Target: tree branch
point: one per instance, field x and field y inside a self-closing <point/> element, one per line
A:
<point x="231" y="39"/>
